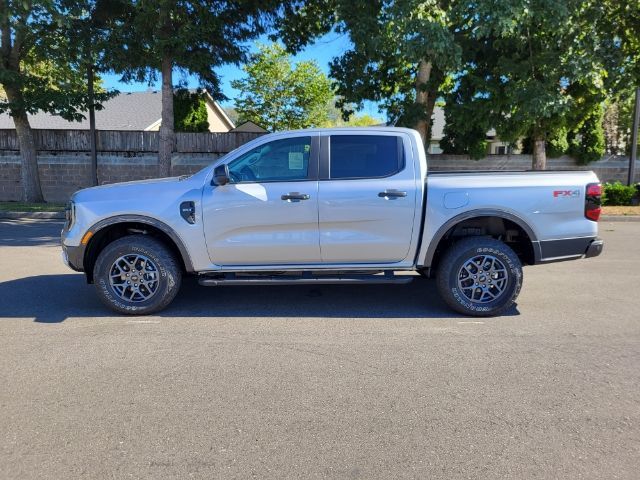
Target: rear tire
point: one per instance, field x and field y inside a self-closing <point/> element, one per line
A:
<point x="137" y="275"/>
<point x="479" y="276"/>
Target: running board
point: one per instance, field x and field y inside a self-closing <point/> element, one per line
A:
<point x="304" y="279"/>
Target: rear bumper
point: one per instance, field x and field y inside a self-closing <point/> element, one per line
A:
<point x="570" y="249"/>
<point x="595" y="248"/>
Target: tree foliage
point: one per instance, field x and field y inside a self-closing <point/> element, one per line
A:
<point x="39" y="61"/>
<point x="401" y="53"/>
<point x="190" y="111"/>
<point x="191" y="36"/>
<point x="335" y="117"/>
<point x="279" y="96"/>
<point x="531" y="68"/>
<point x="586" y="143"/>
<point x="618" y="122"/>
<point x="40" y="71"/>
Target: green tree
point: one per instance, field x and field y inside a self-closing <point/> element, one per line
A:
<point x="38" y="72"/>
<point x="232" y="113"/>
<point x="536" y="69"/>
<point x="193" y="37"/>
<point x="363" y="120"/>
<point x="402" y="52"/>
<point x="335" y="117"/>
<point x="280" y="96"/>
<point x="618" y="122"/>
<point x="88" y="26"/>
<point x="466" y="125"/>
<point x="586" y="143"/>
<point x="190" y="111"/>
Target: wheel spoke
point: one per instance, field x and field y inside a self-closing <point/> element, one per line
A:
<point x="483" y="278"/>
<point x="135" y="269"/>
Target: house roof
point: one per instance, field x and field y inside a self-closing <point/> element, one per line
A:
<point x="249" y="126"/>
<point x="125" y="111"/>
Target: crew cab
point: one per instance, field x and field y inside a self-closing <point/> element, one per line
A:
<point x="347" y="205"/>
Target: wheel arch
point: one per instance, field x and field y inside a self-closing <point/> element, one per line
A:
<point x="490" y="219"/>
<point x="109" y="229"/>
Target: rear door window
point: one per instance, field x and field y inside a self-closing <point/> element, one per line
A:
<point x="365" y="156"/>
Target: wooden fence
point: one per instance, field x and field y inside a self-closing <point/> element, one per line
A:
<point x="127" y="141"/>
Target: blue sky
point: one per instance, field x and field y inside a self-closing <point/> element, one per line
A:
<point x="322" y="51"/>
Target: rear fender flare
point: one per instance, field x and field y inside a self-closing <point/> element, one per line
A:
<point x="441" y="232"/>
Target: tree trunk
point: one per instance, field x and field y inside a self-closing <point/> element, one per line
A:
<point x="31" y="190"/>
<point x="539" y="153"/>
<point x="422" y="99"/>
<point x="167" y="134"/>
<point x="92" y="125"/>
<point x="426" y="85"/>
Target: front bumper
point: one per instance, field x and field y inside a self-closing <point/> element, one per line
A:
<point x="73" y="257"/>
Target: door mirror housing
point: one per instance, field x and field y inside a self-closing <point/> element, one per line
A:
<point x="221" y="175"/>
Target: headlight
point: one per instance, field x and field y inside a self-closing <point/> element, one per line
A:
<point x="70" y="214"/>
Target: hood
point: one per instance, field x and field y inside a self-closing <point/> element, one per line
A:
<point x="124" y="190"/>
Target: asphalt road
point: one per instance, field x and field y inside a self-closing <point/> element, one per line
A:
<point x="319" y="382"/>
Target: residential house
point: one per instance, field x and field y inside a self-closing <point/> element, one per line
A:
<point x="126" y="111"/>
<point x="249" y="126"/>
<point x="495" y="146"/>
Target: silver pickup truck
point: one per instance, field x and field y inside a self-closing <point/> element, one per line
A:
<point x="349" y="205"/>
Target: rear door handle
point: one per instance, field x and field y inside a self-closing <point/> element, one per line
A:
<point x="391" y="194"/>
<point x="294" y="197"/>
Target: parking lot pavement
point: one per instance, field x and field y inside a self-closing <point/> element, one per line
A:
<point x="319" y="382"/>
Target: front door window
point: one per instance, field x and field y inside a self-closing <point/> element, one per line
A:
<point x="283" y="160"/>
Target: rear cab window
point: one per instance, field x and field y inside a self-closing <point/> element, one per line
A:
<point x="365" y="156"/>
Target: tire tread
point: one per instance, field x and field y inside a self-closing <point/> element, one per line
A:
<point x="165" y="257"/>
<point x="452" y="256"/>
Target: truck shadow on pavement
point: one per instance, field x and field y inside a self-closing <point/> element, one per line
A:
<point x="54" y="298"/>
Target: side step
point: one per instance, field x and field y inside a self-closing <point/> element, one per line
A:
<point x="306" y="278"/>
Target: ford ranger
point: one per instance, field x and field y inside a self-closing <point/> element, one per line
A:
<point x="348" y="205"/>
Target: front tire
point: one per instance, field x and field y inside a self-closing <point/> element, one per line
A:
<point x="479" y="276"/>
<point x="137" y="275"/>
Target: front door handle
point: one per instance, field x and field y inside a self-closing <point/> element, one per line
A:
<point x="391" y="194"/>
<point x="294" y="197"/>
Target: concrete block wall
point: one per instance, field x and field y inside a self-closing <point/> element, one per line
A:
<point x="608" y="169"/>
<point x="63" y="173"/>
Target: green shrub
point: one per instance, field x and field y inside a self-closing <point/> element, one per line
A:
<point x="557" y="144"/>
<point x="587" y="144"/>
<point x="190" y="111"/>
<point x="617" y="194"/>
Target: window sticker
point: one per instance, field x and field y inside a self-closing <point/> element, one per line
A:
<point x="296" y="161"/>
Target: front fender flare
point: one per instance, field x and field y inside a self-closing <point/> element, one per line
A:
<point x="154" y="222"/>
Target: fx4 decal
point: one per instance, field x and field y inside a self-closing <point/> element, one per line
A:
<point x="566" y="193"/>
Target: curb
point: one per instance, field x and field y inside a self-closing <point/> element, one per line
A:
<point x="32" y="215"/>
<point x="620" y="218"/>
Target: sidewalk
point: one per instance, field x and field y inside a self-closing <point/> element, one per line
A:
<point x="31" y="215"/>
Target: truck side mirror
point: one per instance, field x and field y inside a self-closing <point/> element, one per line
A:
<point x="220" y="175"/>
